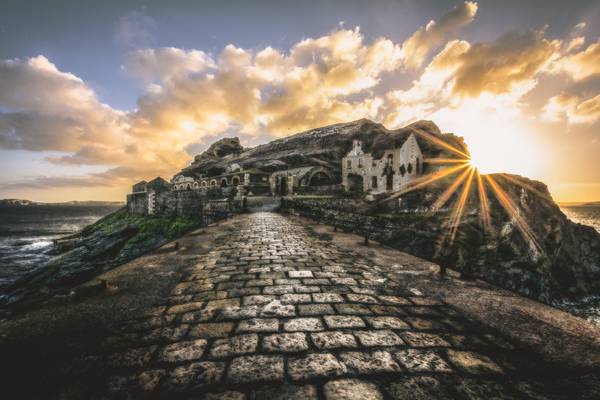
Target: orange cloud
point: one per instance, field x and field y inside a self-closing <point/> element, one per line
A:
<point x="572" y="108"/>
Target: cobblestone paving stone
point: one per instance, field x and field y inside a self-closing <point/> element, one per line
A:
<point x="277" y="312"/>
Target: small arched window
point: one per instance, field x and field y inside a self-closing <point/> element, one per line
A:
<point x="349" y="164"/>
<point x="203" y="184"/>
<point x="410" y="168"/>
<point x="402" y="170"/>
<point x="360" y="163"/>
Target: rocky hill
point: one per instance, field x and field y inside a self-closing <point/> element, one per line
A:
<point x="322" y="146"/>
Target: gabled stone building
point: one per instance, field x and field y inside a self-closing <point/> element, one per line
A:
<point x="393" y="171"/>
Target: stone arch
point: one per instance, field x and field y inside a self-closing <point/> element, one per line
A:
<point x="235" y="181"/>
<point x="188" y="187"/>
<point x="213" y="182"/>
<point x="203" y="184"/>
<point x="223" y="182"/>
<point x="196" y="185"/>
<point x="355" y="183"/>
<point x="319" y="177"/>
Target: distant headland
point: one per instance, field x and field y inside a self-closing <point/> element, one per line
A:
<point x="27" y="203"/>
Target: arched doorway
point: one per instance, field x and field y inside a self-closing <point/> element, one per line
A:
<point x="235" y="181"/>
<point x="320" y="178"/>
<point x="223" y="182"/>
<point x="355" y="183"/>
<point x="282" y="185"/>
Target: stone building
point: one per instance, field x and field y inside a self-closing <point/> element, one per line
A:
<point x="302" y="180"/>
<point x="393" y="171"/>
<point x="144" y="196"/>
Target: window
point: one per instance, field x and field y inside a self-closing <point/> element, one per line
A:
<point x="390" y="159"/>
<point x="402" y="170"/>
<point x="349" y="164"/>
<point x="360" y="163"/>
<point x="374" y="182"/>
<point x="409" y="169"/>
<point x="417" y="165"/>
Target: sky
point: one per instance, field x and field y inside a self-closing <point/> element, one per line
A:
<point x="95" y="96"/>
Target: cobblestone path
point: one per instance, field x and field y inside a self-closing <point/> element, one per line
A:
<point x="277" y="312"/>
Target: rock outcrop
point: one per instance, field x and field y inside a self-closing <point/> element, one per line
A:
<point x="112" y="241"/>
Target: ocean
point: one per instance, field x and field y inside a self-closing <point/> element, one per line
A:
<point x="26" y="233"/>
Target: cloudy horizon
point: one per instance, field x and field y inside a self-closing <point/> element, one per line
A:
<point x="97" y="97"/>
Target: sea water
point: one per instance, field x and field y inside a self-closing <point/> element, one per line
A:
<point x="27" y="233"/>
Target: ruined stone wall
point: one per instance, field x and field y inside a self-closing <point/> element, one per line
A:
<point x="410" y="233"/>
<point x="137" y="203"/>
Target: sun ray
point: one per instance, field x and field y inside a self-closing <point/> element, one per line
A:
<point x="484" y="204"/>
<point x="445" y="196"/>
<point x="441" y="143"/>
<point x="460" y="208"/>
<point x="428" y="179"/>
<point x="526" y="185"/>
<point x="442" y="160"/>
<point x="513" y="212"/>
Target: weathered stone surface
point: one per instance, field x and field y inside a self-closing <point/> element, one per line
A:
<point x="351" y="389"/>
<point x="333" y="340"/>
<point x="418" y="388"/>
<point x="300" y="274"/>
<point x="256" y="369"/>
<point x="421" y="339"/>
<point x="285" y="342"/>
<point x="193" y="375"/>
<point x="422" y="361"/>
<point x="303" y="325"/>
<point x="314" y="365"/>
<point x="259" y="325"/>
<point x="369" y="362"/>
<point x="276" y="309"/>
<point x="211" y="330"/>
<point x="227" y="395"/>
<point x="327" y="298"/>
<point x="183" y="351"/>
<point x="473" y="363"/>
<point x="343" y="321"/>
<point x="387" y="323"/>
<point x="314" y="309"/>
<point x="235" y="345"/>
<point x="379" y="338"/>
<point x="287" y="392"/>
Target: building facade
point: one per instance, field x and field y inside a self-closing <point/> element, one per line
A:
<point x="393" y="171"/>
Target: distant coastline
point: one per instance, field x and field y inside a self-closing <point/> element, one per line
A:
<point x="27" y="203"/>
<point x="579" y="204"/>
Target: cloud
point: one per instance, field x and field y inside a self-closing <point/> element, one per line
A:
<point x="46" y="109"/>
<point x="580" y="65"/>
<point x="320" y="80"/>
<point x="416" y="48"/>
<point x="509" y="63"/>
<point x="135" y="29"/>
<point x="573" y="109"/>
<point x="165" y="63"/>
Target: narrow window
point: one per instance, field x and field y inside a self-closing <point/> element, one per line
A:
<point x="374" y="182"/>
<point x="402" y="170"/>
<point x="409" y="168"/>
<point x="349" y="164"/>
<point x="360" y="163"/>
